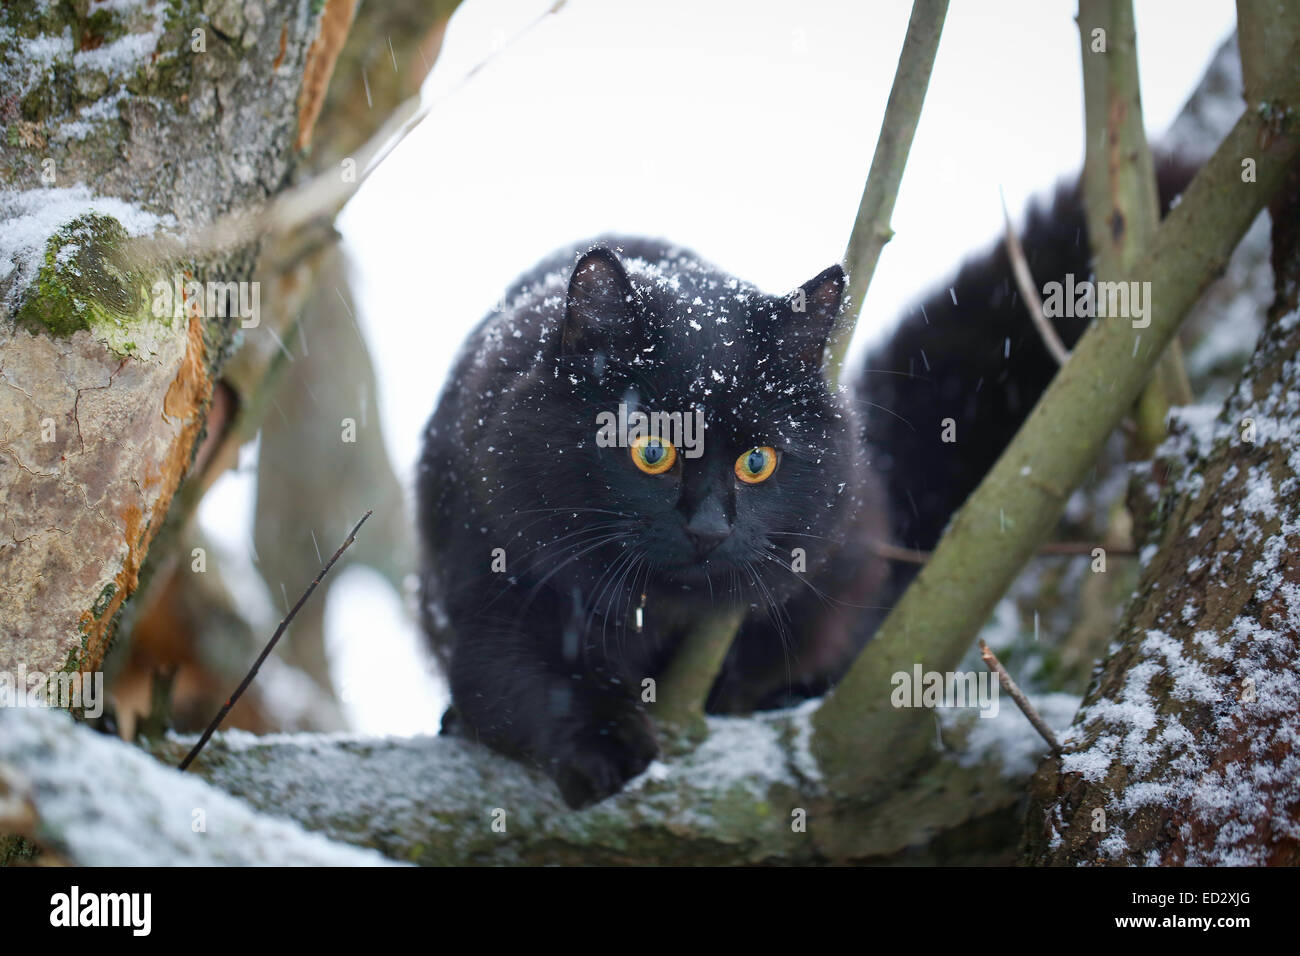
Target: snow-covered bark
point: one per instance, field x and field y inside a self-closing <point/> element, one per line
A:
<point x="92" y="800"/>
<point x="1187" y="748"/>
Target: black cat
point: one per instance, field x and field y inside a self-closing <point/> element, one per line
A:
<point x="560" y="572"/>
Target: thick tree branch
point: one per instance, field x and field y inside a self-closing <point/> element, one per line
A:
<point x="749" y="793"/>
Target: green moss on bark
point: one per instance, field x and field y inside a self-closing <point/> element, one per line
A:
<point x="85" y="284"/>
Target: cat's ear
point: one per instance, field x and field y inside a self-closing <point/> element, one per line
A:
<point x="601" y="301"/>
<point x="813" y="308"/>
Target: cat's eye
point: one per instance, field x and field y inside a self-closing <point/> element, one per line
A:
<point x="756" y="465"/>
<point x="653" y="455"/>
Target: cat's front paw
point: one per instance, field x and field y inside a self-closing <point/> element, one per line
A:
<point x="600" y="757"/>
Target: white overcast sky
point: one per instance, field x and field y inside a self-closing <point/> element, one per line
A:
<point x="741" y="128"/>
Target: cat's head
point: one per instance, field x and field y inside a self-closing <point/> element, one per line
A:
<point x="769" y="479"/>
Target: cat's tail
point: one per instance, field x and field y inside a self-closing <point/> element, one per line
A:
<point x="943" y="395"/>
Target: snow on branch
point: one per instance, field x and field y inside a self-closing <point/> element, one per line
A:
<point x="96" y="801"/>
<point x="751" y="792"/>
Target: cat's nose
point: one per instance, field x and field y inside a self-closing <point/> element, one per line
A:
<point x="707" y="529"/>
<point x="706" y="541"/>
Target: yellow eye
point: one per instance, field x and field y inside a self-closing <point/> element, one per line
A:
<point x="756" y="465"/>
<point x="652" y="455"/>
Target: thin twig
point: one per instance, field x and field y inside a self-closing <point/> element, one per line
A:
<point x="894" y="552"/>
<point x="1019" y="697"/>
<point x="1029" y="291"/>
<point x="270" y="646"/>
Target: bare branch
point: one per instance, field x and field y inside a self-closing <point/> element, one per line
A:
<point x="1026" y="708"/>
<point x="1029" y="292"/>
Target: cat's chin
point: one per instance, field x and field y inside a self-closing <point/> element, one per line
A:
<point x="713" y="579"/>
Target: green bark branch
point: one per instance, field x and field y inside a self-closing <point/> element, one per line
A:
<point x="871" y="229"/>
<point x="860" y="737"/>
<point x="1120" y="196"/>
<point x="1120" y="199"/>
<point x="680" y="708"/>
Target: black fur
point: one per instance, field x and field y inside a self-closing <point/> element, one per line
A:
<point x="544" y="658"/>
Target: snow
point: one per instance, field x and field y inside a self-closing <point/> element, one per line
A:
<point x="1233" y="786"/>
<point x="123" y="55"/>
<point x="741" y="752"/>
<point x="37" y="57"/>
<point x="115" y="6"/>
<point x="805" y="763"/>
<point x="102" y="802"/>
<point x="103" y="109"/>
<point x="43" y="51"/>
